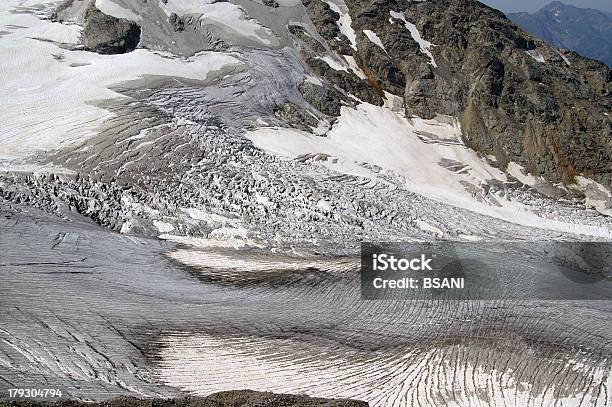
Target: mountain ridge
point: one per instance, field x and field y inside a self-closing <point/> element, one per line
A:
<point x="516" y="97"/>
<point x="584" y="30"/>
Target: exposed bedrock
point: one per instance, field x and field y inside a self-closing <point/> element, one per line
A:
<point x="325" y="18"/>
<point x="177" y="22"/>
<point x="270" y="3"/>
<point x="296" y="117"/>
<point x="516" y="97"/>
<point x="325" y="99"/>
<point x="106" y="34"/>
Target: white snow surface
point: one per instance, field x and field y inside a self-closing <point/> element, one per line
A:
<point x="518" y="172"/>
<point x="424" y="45"/>
<point x="216" y="261"/>
<point x="227" y="15"/>
<point x="381" y="137"/>
<point x="413" y="149"/>
<point x="203" y="364"/>
<point x="47" y="93"/>
<point x="163" y="227"/>
<point x="345" y="21"/>
<point x="111" y="8"/>
<point x="182" y="7"/>
<point x="210" y="218"/>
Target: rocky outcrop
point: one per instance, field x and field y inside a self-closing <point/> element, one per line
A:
<point x="237" y="398"/>
<point x="296" y="117"/>
<point x="106" y="34"/>
<point x="270" y="3"/>
<point x="325" y="99"/>
<point x="176" y="22"/>
<point x="326" y="21"/>
<point x="516" y="97"/>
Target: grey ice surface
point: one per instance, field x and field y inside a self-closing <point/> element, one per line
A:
<point x="83" y="309"/>
<point x="90" y="311"/>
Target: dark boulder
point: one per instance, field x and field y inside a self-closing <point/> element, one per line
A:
<point x="106" y="34"/>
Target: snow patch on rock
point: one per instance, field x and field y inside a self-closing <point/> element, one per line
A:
<point x="518" y="172"/>
<point x="110" y="8"/>
<point x="596" y="195"/>
<point x="374" y="39"/>
<point x="567" y="62"/>
<point x="424" y="45"/>
<point x="355" y="67"/>
<point x="345" y="21"/>
<point x="333" y="64"/>
<point x="536" y="55"/>
<point x="426" y="227"/>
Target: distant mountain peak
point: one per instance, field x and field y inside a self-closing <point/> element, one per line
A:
<point x="584" y="30"/>
<point x="556" y="7"/>
<point x="560" y="6"/>
<point x="554" y="4"/>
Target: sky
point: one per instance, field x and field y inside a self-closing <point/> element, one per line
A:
<point x="534" y="5"/>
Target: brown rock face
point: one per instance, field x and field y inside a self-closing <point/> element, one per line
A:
<point x="516" y="97"/>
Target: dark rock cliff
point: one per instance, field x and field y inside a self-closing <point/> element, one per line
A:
<point x="515" y="96"/>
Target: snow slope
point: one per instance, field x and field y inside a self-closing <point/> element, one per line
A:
<point x="47" y="92"/>
<point x="429" y="155"/>
<point x="391" y="377"/>
<point x="224" y="14"/>
<point x="111" y="8"/>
